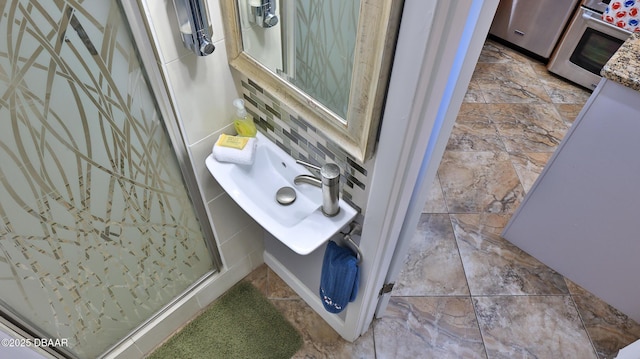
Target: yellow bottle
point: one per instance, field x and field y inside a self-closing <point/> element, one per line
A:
<point x="243" y="123"/>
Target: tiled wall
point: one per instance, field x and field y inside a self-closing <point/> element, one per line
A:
<point x="202" y="89"/>
<point x="302" y="141"/>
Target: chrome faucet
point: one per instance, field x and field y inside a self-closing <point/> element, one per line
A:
<point x="330" y="184"/>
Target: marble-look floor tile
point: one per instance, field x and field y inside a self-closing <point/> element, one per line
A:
<point x="319" y="339"/>
<point x="474" y="136"/>
<point x="609" y="329"/>
<point x="428" y="327"/>
<point x="532" y="327"/>
<point x="493" y="266"/>
<point x="510" y="83"/>
<point x="494" y="52"/>
<point x="278" y="289"/>
<point x="569" y="112"/>
<point x="474" y="112"/>
<point x="529" y="127"/>
<point x="258" y="277"/>
<point x="269" y="284"/>
<point x="474" y="131"/>
<point x="529" y="166"/>
<point x="435" y="200"/>
<point x="475" y="182"/>
<point x="560" y="90"/>
<point x="433" y="266"/>
<point x="473" y="94"/>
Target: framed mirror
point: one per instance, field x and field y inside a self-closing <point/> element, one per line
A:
<point x="328" y="60"/>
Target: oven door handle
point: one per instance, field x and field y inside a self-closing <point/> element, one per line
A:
<point x="590" y="16"/>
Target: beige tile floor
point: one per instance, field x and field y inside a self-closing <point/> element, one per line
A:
<point x="465" y="292"/>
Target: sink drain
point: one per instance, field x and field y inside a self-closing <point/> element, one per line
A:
<point x="286" y="195"/>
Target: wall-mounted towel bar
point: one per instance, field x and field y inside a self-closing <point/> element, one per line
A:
<point x="355" y="229"/>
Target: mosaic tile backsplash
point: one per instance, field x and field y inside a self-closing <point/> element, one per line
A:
<point x="303" y="141"/>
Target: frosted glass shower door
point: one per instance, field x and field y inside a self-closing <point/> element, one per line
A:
<point x="97" y="230"/>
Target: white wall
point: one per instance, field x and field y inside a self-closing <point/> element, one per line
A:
<point x="202" y="89"/>
<point x="263" y="44"/>
<point x="426" y="87"/>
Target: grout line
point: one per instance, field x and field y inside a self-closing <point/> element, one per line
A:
<point x="584" y="325"/>
<point x="373" y="339"/>
<point x="466" y="278"/>
<point x="484" y="342"/>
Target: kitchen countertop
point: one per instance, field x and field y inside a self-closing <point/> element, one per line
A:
<point x="624" y="65"/>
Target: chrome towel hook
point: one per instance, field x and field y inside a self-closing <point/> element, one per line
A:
<point x="193" y="18"/>
<point x="355" y="229"/>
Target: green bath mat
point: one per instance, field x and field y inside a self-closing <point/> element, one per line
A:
<point x="240" y="324"/>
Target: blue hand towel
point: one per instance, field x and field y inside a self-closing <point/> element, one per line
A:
<point x="340" y="278"/>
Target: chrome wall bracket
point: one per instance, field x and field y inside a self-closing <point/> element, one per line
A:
<point x="263" y="12"/>
<point x="355" y="229"/>
<point x="195" y="28"/>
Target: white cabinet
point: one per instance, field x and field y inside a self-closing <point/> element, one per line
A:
<point x="582" y="216"/>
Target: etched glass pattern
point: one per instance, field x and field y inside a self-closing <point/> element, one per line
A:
<point x="97" y="231"/>
<point x="325" y="40"/>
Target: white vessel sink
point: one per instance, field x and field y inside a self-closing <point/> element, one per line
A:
<point x="301" y="225"/>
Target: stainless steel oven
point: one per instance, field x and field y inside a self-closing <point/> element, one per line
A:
<point x="587" y="44"/>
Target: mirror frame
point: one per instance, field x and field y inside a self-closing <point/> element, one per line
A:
<point x="378" y="24"/>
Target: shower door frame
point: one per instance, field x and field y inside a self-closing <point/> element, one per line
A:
<point x="147" y="55"/>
